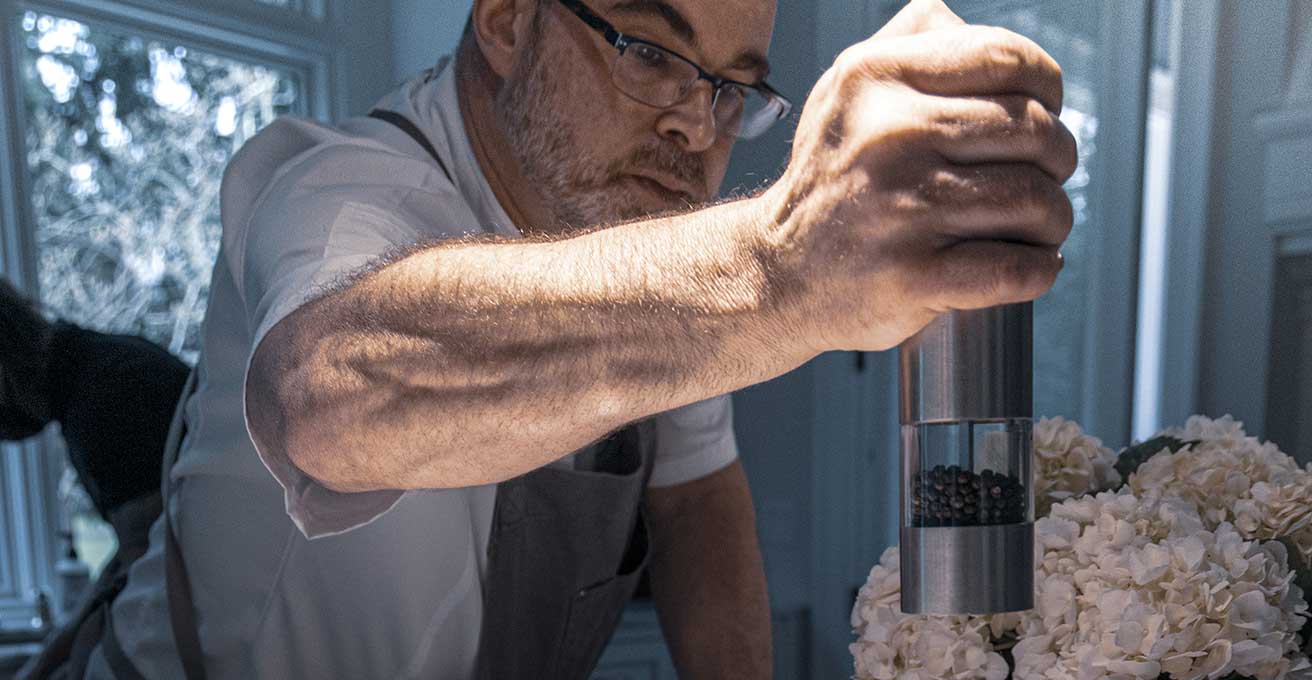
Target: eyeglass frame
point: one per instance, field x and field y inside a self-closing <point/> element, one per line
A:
<point x="623" y="42"/>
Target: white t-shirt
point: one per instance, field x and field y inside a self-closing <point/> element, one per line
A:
<point x="289" y="578"/>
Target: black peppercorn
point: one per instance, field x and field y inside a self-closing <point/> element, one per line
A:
<point x="952" y="496"/>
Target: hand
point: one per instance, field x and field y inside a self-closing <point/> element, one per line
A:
<point x="926" y="176"/>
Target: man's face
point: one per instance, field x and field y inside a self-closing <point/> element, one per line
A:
<point x="598" y="156"/>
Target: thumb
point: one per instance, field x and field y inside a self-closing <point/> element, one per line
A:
<point x="920" y="16"/>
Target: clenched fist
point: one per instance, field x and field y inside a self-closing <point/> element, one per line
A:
<point x="926" y="175"/>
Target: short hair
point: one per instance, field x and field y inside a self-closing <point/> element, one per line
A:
<point x="468" y="33"/>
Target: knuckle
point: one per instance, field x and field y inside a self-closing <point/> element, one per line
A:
<point x="1038" y="121"/>
<point x="1008" y="56"/>
<point x="1046" y="274"/>
<point x="1021" y="273"/>
<point x="1027" y="125"/>
<point x="1070" y="152"/>
<point x="1064" y="216"/>
<point x="1004" y="50"/>
<point x="892" y="131"/>
<point x="853" y="61"/>
<point x="1030" y="185"/>
<point x="1005" y="275"/>
<point x="941" y="187"/>
<point x="1049" y="206"/>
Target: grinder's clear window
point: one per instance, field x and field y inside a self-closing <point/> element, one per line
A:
<point x="967" y="473"/>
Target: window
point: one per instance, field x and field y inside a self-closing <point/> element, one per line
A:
<point x="1084" y="328"/>
<point x="1156" y="212"/>
<point x="115" y="125"/>
<point x="126" y="141"/>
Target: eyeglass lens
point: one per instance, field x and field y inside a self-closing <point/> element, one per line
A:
<point x="658" y="78"/>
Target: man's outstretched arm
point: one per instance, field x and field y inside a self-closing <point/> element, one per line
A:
<point x="473" y="362"/>
<point x="926" y="176"/>
<point x="708" y="579"/>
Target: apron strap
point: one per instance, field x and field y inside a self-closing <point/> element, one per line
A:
<point x="182" y="613"/>
<point x="414" y="132"/>
<point x="115" y="657"/>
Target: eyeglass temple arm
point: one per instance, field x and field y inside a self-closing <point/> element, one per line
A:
<point x="598" y="24"/>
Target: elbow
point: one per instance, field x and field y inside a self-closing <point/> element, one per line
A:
<point x="328" y="464"/>
<point x="293" y="410"/>
<point x="336" y="407"/>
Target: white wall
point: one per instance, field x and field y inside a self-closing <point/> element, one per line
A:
<point x="422" y="31"/>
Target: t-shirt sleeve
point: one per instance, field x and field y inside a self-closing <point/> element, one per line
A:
<point x="323" y="220"/>
<point x="693" y="441"/>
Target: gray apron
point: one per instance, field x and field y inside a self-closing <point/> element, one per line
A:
<point x="567" y="547"/>
<point x="566" y="552"/>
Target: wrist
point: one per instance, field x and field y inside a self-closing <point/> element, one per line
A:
<point x="783" y="287"/>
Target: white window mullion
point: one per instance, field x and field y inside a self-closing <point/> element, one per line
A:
<point x="27" y="538"/>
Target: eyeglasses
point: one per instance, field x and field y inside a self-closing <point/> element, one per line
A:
<point x="659" y="77"/>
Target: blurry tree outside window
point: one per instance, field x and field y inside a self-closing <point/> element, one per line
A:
<point x="127" y="138"/>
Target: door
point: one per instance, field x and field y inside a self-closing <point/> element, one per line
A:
<point x="1255" y="336"/>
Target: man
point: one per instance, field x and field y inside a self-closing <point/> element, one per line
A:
<point x="451" y="402"/>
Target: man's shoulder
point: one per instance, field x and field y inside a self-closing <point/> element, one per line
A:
<point x="296" y="159"/>
<point x="298" y="181"/>
<point x="308" y="150"/>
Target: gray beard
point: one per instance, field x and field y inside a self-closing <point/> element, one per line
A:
<point x="580" y="191"/>
<point x="547" y="153"/>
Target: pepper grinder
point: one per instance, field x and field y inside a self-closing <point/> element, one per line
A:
<point x="967" y="508"/>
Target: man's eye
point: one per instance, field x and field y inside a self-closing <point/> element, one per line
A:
<point x="649" y="56"/>
<point x="733" y="92"/>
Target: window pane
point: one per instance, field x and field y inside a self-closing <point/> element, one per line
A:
<point x="1070" y="33"/>
<point x="127" y="137"/>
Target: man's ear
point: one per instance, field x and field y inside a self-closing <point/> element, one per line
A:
<point x="501" y="27"/>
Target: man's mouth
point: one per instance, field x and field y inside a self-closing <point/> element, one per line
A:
<point x="668" y="189"/>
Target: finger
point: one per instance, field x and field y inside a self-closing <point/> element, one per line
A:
<point x="1015" y="202"/>
<point x="979" y="274"/>
<point x="1000" y="130"/>
<point x="971" y="61"/>
<point x="919" y="16"/>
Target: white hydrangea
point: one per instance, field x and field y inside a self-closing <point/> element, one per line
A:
<point x="1170" y="576"/>
<point x="1128" y="587"/>
<point x="1069" y="463"/>
<point x="891" y="644"/>
<point x="1232" y="477"/>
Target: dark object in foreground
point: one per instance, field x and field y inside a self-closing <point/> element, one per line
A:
<point x="1129" y="460"/>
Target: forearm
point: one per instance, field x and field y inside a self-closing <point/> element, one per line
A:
<point x="708" y="579"/>
<point x="472" y="363"/>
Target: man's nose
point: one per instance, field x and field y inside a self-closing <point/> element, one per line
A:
<point x="691" y="122"/>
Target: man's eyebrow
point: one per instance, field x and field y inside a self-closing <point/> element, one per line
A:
<point x="661" y="10"/>
<point x="747" y="61"/>
<point x="754" y="62"/>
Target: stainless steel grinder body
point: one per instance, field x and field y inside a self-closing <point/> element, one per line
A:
<point x="966" y="410"/>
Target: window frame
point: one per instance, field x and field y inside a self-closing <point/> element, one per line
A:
<point x="333" y="50"/>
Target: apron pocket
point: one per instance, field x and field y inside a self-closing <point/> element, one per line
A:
<point x="594" y="613"/>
